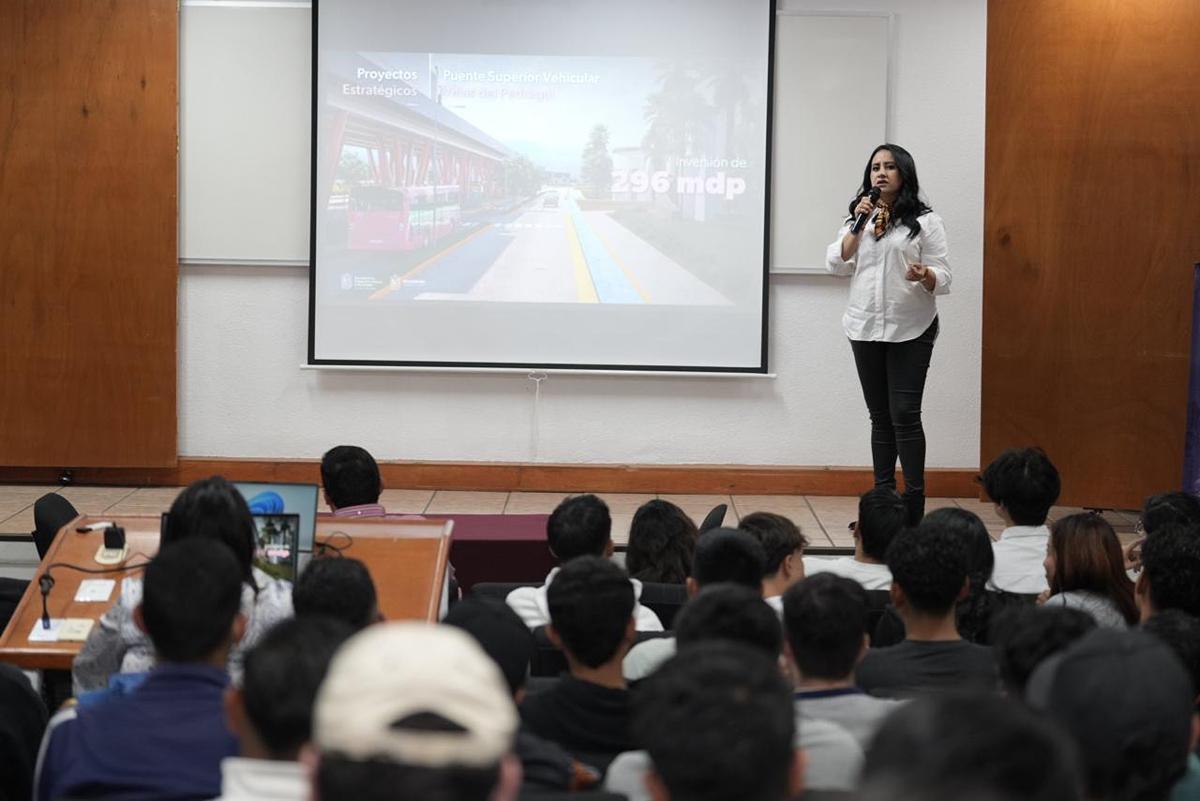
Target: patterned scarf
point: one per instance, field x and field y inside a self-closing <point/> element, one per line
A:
<point x="883" y="219"/>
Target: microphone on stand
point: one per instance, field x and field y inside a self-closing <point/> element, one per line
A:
<point x="861" y="221"/>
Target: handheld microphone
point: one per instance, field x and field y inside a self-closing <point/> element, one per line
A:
<point x="861" y="221"/>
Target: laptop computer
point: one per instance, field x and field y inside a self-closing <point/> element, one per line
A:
<point x="277" y="498"/>
<point x="276" y="544"/>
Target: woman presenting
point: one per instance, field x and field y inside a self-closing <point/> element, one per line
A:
<point x="897" y="264"/>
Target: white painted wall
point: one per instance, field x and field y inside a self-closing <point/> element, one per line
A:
<point x="243" y="337"/>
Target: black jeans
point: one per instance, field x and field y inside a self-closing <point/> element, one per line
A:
<point x="892" y="375"/>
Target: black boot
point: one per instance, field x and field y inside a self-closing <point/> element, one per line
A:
<point x="914" y="505"/>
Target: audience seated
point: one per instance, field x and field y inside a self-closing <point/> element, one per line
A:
<point x="970" y="746"/>
<point x="1024" y="636"/>
<point x="211" y="511"/>
<point x="22" y="723"/>
<point x="337" y="587"/>
<point x="414" y="710"/>
<point x="591" y="619"/>
<point x="1170" y="577"/>
<point x="579" y="526"/>
<point x="505" y="638"/>
<point x="1023" y="484"/>
<point x="929" y="575"/>
<point x="271" y="713"/>
<point x="1180" y="632"/>
<point x="881" y="516"/>
<point x="722" y="555"/>
<point x="1086" y="570"/>
<point x="662" y="539"/>
<point x="167" y="739"/>
<point x="1127" y="703"/>
<point x="1180" y="508"/>
<point x="784" y="547"/>
<point x="825" y="619"/>
<point x="351" y="483"/>
<point x="717" y="724"/>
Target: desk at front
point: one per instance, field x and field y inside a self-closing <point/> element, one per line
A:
<point x="407" y="560"/>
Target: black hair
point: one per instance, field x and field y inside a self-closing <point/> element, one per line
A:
<point x="1182" y="508"/>
<point x="337" y="587"/>
<point x="973" y="613"/>
<point x="500" y="632"/>
<point x="825" y="618"/>
<point x="591" y="603"/>
<point x="339" y="778"/>
<point x="281" y="675"/>
<point x="881" y="515"/>
<point x="191" y="593"/>
<point x="662" y="539"/>
<point x="779" y="537"/>
<point x="350" y="476"/>
<point x="1023" y="636"/>
<point x="960" y="745"/>
<point x="212" y="509"/>
<point x="1025" y="482"/>
<point x="718" y="723"/>
<point x="929" y="563"/>
<point x="908" y="205"/>
<point x="579" y="526"/>
<point x="1171" y="566"/>
<point x="727" y="554"/>
<point x="1181" y="633"/>
<point x="729" y="612"/>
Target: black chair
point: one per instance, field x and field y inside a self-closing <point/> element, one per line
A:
<point x="50" y="513"/>
<point x="664" y="600"/>
<point x="715" y="518"/>
<point x="11" y="591"/>
<point x="498" y="589"/>
<point x="877" y="602"/>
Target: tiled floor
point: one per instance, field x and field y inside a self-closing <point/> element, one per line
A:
<point x="823" y="519"/>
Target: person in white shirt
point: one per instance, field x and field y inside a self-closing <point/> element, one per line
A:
<point x="784" y="546"/>
<point x="271" y="713"/>
<point x="893" y="247"/>
<point x="579" y="526"/>
<point x="881" y="515"/>
<point x="1023" y="484"/>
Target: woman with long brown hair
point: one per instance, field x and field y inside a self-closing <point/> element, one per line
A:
<point x="1085" y="569"/>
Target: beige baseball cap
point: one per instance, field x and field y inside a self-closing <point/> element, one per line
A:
<point x="417" y="694"/>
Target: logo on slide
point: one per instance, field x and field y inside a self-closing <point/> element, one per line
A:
<point x="347" y="281"/>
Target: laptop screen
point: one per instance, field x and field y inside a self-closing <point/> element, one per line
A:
<point x="276" y="544"/>
<point x="294" y="499"/>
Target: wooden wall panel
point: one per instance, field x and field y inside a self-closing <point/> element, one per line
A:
<point x="1090" y="233"/>
<point x="88" y="264"/>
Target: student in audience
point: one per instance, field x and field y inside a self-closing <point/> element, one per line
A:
<point x="784" y="547"/>
<point x="970" y="746"/>
<point x="271" y="713"/>
<point x="580" y="526"/>
<point x="717" y="724"/>
<point x="1086" y="570"/>
<point x="881" y="515"/>
<point x="1179" y="508"/>
<point x="722" y="555"/>
<point x="545" y="766"/>
<point x="167" y="739"/>
<point x="1023" y="484"/>
<point x="1127" y="702"/>
<point x="1170" y="577"/>
<point x="212" y="511"/>
<point x="351" y="482"/>
<point x="591" y="619"/>
<point x="22" y="723"/>
<point x="825" y="619"/>
<point x="662" y="539"/>
<point x="929" y="576"/>
<point x="337" y="587"/>
<point x="1180" y="632"/>
<point x="413" y="710"/>
<point x="738" y="614"/>
<point x="1024" y="636"/>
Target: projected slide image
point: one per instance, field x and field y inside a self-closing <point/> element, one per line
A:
<point x="621" y="180"/>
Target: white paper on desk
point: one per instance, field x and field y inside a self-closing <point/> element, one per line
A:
<point x="95" y="590"/>
<point x="40" y="634"/>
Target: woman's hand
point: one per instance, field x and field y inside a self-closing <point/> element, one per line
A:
<point x="919" y="272"/>
<point x="1043" y="596"/>
<point x="865" y="206"/>
<point x="1133" y="555"/>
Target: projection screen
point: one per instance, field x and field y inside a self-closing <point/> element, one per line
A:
<point x="541" y="183"/>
